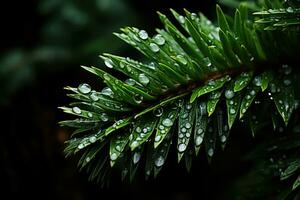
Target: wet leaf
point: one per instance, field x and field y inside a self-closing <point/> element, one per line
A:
<point x="117" y="145"/>
<point x="242" y="81"/>
<point x="250" y="95"/>
<point x="210" y="86"/>
<point x="135" y="161"/>
<point x="142" y="130"/>
<point x="189" y="157"/>
<point x="166" y="122"/>
<point x="160" y="154"/>
<point x="223" y="130"/>
<point x="212" y="101"/>
<point x="233" y="106"/>
<point x="186" y="119"/>
<point x="222" y="21"/>
<point x="296" y="183"/>
<point x="284" y="101"/>
<point x="201" y="120"/>
<point x="210" y="138"/>
<point x="290" y="170"/>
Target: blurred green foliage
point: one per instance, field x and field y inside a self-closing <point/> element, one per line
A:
<point x="72" y="31"/>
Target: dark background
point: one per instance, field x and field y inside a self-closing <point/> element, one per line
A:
<point x="43" y="44"/>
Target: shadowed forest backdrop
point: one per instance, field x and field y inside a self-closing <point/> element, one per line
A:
<point x="43" y="45"/>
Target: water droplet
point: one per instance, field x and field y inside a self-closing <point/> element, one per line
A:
<point x="287" y="82"/>
<point x="206" y="60"/>
<point x="118" y="148"/>
<point x="229" y="94"/>
<point x="87" y="159"/>
<point x="181" y="147"/>
<point x="151" y="65"/>
<point x="136" y="157"/>
<point x="181" y="59"/>
<point x="134" y="144"/>
<point x="179" y="103"/>
<point x="232" y="111"/>
<point x="167" y="122"/>
<point x="188" y="106"/>
<point x="211" y="82"/>
<point x="181" y="19"/>
<point x="143" y="34"/>
<point x="128" y="68"/>
<point x="257" y="81"/>
<point x="106" y="77"/>
<point x="94" y="96"/>
<point x="113" y="156"/>
<point x="145" y="130"/>
<point x="287" y="69"/>
<point x="193" y="16"/>
<point x="138" y="129"/>
<point x="198" y="140"/>
<point x="185" y="115"/>
<point x="90" y="115"/>
<point x="130" y="136"/>
<point x="92" y="139"/>
<point x="143" y="79"/>
<point x="107" y="91"/>
<point x="138" y="98"/>
<point x="159" y="39"/>
<point x="290" y="10"/>
<point x="158" y="112"/>
<point x="202" y="108"/>
<point x="76" y="110"/>
<point x="286" y="106"/>
<point x="252" y="92"/>
<point x="154" y="47"/>
<point x="257" y="102"/>
<point x="104" y="117"/>
<point x="243" y="110"/>
<point x="130" y="81"/>
<point x="157" y="138"/>
<point x="148" y="172"/>
<point x="108" y="63"/>
<point x="199" y="131"/>
<point x="188" y="125"/>
<point x="223" y="138"/>
<point x="84" y="88"/>
<point x="210" y="152"/>
<point x="183" y="130"/>
<point x="80" y="146"/>
<point x="122" y="65"/>
<point x="159" y="161"/>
